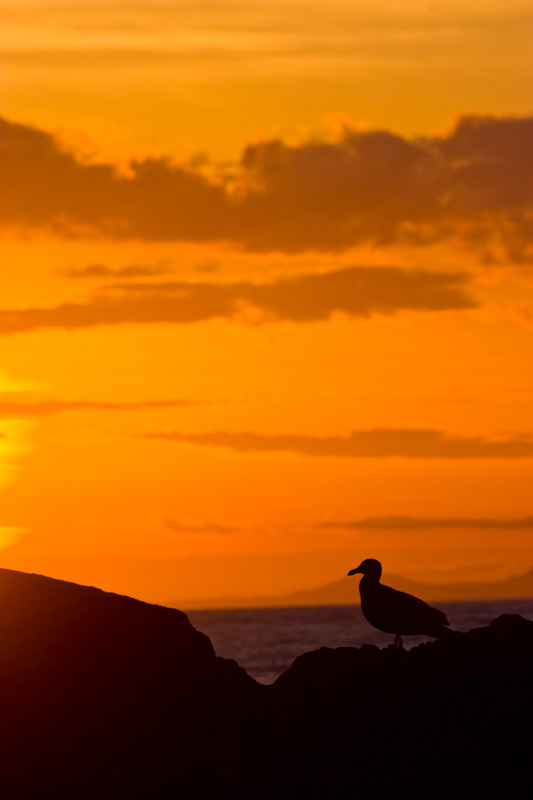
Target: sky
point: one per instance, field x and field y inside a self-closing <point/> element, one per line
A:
<point x="266" y="292"/>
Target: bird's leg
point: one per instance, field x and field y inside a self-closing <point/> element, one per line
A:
<point x="398" y="640"/>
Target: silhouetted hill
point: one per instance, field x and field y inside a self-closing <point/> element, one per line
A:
<point x="345" y="592"/>
<point x="102" y="696"/>
<point x="105" y="696"/>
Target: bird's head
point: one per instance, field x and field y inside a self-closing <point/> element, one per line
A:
<point x="370" y="567"/>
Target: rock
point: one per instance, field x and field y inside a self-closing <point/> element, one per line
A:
<point x="450" y="718"/>
<point x="104" y="696"/>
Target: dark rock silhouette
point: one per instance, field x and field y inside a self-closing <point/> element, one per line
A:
<point x="105" y="696"/>
<point x="450" y="718"/>
<point x="396" y="612"/>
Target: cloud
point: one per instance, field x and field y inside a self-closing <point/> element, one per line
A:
<point x="367" y="186"/>
<point x="32" y="404"/>
<point x="428" y="523"/>
<point x="205" y="527"/>
<point x="379" y="186"/>
<point x="375" y="443"/>
<point x="356" y="291"/>
<point x="102" y="271"/>
<point x="160" y="200"/>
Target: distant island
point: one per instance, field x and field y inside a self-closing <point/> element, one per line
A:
<point x="344" y="592"/>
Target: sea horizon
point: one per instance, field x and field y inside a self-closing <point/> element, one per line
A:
<point x="266" y="641"/>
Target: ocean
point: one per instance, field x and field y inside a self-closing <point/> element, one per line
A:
<point x="266" y="641"/>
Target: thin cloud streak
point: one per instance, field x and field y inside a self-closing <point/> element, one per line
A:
<point x="406" y="523"/>
<point x="375" y="443"/>
<point x="97" y="271"/>
<point x="206" y="527"/>
<point x="358" y="292"/>
<point x="30" y="404"/>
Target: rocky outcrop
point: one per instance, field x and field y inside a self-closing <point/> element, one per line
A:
<point x="450" y="718"/>
<point x="102" y="696"/>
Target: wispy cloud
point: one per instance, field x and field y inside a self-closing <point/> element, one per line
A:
<point x="367" y="186"/>
<point x="375" y="443"/>
<point x="32" y="404"/>
<point x="406" y="523"/>
<point x="98" y="271"/>
<point x="181" y="526"/>
<point x="356" y="291"/>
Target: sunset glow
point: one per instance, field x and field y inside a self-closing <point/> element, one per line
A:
<point x="265" y="275"/>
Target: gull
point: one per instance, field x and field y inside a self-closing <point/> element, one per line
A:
<point x="396" y="612"/>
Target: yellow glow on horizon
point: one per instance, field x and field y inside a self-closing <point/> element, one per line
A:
<point x="10" y="536"/>
<point x="16" y="441"/>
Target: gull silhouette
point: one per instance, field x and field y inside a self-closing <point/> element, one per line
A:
<point x="396" y="612"/>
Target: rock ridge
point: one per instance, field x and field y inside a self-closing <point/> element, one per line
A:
<point x="105" y="696"/>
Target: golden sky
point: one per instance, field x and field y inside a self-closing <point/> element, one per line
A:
<point x="266" y="292"/>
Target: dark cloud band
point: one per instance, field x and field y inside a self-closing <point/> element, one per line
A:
<point x="357" y="292"/>
<point x="372" y="186"/>
<point x="404" y="523"/>
<point x="376" y="443"/>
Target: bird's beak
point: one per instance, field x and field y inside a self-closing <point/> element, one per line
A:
<point x="353" y="571"/>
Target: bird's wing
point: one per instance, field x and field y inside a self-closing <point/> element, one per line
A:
<point x="402" y="599"/>
<point x="408" y="604"/>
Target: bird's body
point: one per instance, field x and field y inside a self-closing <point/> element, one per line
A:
<point x="396" y="612"/>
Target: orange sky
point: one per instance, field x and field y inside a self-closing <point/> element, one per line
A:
<point x="265" y="275"/>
